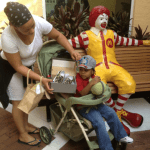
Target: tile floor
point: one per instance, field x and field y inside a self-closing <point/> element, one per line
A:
<point x="38" y="118"/>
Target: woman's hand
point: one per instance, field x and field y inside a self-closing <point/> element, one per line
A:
<point x="75" y="55"/>
<point x="45" y="82"/>
<point x="95" y="80"/>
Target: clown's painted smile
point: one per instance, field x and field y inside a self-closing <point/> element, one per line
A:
<point x="103" y="25"/>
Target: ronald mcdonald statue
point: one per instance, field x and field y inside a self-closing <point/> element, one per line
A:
<point x="99" y="43"/>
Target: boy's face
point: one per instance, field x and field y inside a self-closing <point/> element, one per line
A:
<point x="85" y="73"/>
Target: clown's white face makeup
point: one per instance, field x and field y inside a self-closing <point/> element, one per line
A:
<point x="101" y="21"/>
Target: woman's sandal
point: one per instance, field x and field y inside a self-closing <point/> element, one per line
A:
<point x="28" y="143"/>
<point x="33" y="132"/>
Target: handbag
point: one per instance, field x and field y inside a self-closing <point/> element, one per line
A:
<point x="32" y="96"/>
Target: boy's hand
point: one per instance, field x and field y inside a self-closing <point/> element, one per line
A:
<point x="95" y="80"/>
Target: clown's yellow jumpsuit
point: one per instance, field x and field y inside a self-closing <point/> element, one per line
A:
<point x="102" y="48"/>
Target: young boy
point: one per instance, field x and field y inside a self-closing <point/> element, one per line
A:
<point x="86" y="71"/>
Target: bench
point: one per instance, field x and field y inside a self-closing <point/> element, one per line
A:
<point x="136" y="60"/>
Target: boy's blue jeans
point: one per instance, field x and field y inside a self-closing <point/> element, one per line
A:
<point x="95" y="116"/>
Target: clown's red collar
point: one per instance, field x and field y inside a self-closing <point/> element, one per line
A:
<point x="96" y="31"/>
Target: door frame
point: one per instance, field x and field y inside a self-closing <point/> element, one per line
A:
<point x="44" y="8"/>
<point x="131" y="16"/>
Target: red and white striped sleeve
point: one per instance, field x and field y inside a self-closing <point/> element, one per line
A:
<point x="80" y="41"/>
<point x="119" y="40"/>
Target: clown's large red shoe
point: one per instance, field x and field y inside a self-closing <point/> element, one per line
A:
<point x="134" y="119"/>
<point x="119" y="112"/>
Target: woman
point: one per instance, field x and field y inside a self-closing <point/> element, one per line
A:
<point x="21" y="41"/>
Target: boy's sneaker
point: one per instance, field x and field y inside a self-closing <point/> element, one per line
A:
<point x="126" y="139"/>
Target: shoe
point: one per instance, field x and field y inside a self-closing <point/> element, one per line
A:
<point x="126" y="139"/>
<point x="135" y="120"/>
<point x="28" y="143"/>
<point x="33" y="132"/>
<point x="119" y="112"/>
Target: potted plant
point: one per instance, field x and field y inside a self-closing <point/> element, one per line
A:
<point x="140" y="35"/>
<point x="71" y="22"/>
<point x="119" y="22"/>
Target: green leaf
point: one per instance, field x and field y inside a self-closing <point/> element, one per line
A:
<point x="145" y="30"/>
<point x="71" y="21"/>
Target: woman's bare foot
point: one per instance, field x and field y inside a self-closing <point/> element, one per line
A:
<point x="30" y="128"/>
<point x="25" y="137"/>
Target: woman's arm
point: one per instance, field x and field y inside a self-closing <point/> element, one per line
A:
<point x="15" y="61"/>
<point x="62" y="40"/>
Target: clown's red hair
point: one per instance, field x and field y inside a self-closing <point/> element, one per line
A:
<point x="95" y="12"/>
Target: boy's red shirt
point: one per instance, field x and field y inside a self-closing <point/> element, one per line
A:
<point x="81" y="84"/>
